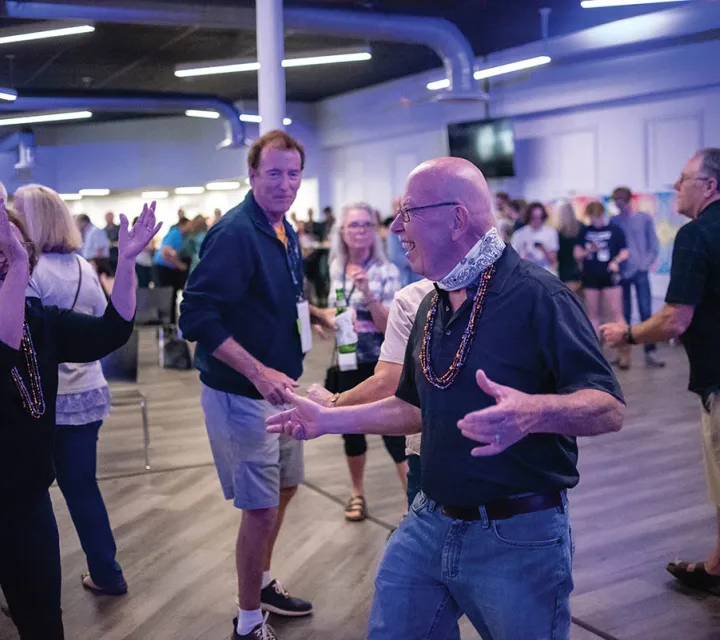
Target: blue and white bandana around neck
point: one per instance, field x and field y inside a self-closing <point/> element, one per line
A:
<point x="485" y="253"/>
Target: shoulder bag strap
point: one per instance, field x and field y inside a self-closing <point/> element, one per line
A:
<point x="77" y="293"/>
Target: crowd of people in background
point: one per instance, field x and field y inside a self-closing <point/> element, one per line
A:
<point x="601" y="258"/>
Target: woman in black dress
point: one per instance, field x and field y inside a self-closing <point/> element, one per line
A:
<point x="33" y="341"/>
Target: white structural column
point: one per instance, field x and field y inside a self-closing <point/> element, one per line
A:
<point x="271" y="51"/>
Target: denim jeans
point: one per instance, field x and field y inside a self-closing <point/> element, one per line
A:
<point x="512" y="578"/>
<point x="641" y="281"/>
<point x="30" y="569"/>
<point x="76" y="465"/>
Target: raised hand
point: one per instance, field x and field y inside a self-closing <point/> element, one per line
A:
<point x="502" y="425"/>
<point x="12" y="247"/>
<point x="132" y="241"/>
<point x="303" y="422"/>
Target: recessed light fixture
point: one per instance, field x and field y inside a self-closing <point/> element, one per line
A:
<point x="251" y="117"/>
<point x="500" y="70"/>
<point x="70" y="196"/>
<point x="596" y="4"/>
<point x="201" y="113"/>
<point x="154" y="195"/>
<point x="335" y="56"/>
<point x="8" y="94"/>
<point x="94" y="192"/>
<point x="189" y="191"/>
<point x="41" y="34"/>
<point x="229" y="185"/>
<point x="46" y="117"/>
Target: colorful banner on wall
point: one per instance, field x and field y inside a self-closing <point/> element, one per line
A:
<point x="661" y="206"/>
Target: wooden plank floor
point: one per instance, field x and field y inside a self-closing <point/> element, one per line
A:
<point x="641" y="502"/>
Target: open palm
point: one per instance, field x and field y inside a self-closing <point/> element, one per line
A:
<point x="132" y="241"/>
<point x="305" y="421"/>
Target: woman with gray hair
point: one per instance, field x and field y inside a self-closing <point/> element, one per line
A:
<point x="65" y="280"/>
<point x="367" y="281"/>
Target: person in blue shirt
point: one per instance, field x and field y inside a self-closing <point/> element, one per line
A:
<point x="169" y="267"/>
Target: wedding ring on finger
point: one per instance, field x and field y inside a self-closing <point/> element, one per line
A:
<point x="497" y="439"/>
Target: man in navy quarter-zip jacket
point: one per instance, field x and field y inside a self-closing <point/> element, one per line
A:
<point x="242" y="306"/>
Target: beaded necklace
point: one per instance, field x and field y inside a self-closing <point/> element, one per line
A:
<point x="445" y="380"/>
<point x="33" y="400"/>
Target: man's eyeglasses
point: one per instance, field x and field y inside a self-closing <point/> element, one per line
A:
<point x="683" y="178"/>
<point x="357" y="226"/>
<point x="404" y="211"/>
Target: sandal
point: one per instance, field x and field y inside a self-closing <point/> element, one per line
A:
<point x="87" y="583"/>
<point x="696" y="576"/>
<point x="356" y="509"/>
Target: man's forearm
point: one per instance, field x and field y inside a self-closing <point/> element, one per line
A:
<point x="389" y="417"/>
<point x="234" y="356"/>
<point x="382" y="384"/>
<point x="666" y="324"/>
<point x="584" y="413"/>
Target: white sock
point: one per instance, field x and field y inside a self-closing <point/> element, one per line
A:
<point x="248" y="620"/>
<point x="266" y="579"/>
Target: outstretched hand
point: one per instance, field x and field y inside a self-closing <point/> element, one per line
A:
<point x="12" y="248"/>
<point x="502" y="425"/>
<point x="132" y="241"/>
<point x="302" y="422"/>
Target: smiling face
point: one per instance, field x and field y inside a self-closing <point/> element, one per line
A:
<point x="276" y="181"/>
<point x="695" y="189"/>
<point x="359" y="230"/>
<point x="427" y="234"/>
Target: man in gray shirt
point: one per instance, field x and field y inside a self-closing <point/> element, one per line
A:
<point x="642" y="243"/>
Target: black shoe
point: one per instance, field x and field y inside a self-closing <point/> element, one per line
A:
<point x="262" y="632"/>
<point x="275" y="599"/>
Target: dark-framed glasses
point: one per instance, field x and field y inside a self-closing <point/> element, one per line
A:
<point x="684" y="178"/>
<point x="404" y="211"/>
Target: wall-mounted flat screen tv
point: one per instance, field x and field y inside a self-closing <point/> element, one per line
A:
<point x="488" y="144"/>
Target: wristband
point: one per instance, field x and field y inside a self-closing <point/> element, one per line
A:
<point x="629" y="336"/>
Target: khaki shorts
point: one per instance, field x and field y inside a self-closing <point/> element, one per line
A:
<point x="252" y="464"/>
<point x="710" y="428"/>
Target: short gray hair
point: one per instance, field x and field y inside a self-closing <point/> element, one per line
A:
<point x="710" y="164"/>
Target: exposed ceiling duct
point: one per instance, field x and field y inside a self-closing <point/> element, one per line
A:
<point x="440" y="35"/>
<point x="132" y="101"/>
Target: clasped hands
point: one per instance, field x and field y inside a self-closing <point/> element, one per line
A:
<point x="496" y="428"/>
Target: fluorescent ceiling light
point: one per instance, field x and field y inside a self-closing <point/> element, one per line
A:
<point x="223" y="186"/>
<point x="491" y="72"/>
<point x="360" y="56"/>
<point x="8" y="94"/>
<point x="70" y="196"/>
<point x="47" y="117"/>
<point x="237" y="66"/>
<point x="47" y="33"/>
<point x="189" y="191"/>
<point x="251" y="117"/>
<point x="223" y="68"/>
<point x="200" y="113"/>
<point x="154" y="195"/>
<point x="595" y="4"/>
<point x="94" y="192"/>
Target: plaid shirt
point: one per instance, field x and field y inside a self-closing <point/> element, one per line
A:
<point x="695" y="281"/>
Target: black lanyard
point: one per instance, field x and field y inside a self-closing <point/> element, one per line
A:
<point x="348" y="296"/>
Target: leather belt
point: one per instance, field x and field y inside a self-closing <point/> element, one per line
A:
<point x="503" y="509"/>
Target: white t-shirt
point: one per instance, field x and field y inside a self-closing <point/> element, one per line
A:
<point x="525" y="239"/>
<point x="55" y="281"/>
<point x="400" y="323"/>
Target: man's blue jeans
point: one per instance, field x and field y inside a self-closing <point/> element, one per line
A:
<point x="512" y="578"/>
<point x="75" y="465"/>
<point x="641" y="281"/>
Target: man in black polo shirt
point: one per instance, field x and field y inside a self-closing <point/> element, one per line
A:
<point x="692" y="313"/>
<point x="502" y="372"/>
